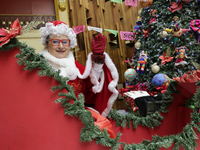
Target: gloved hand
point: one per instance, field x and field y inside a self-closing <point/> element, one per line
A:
<point x="98" y="47"/>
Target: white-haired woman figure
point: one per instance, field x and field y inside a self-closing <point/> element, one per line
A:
<point x="96" y="81"/>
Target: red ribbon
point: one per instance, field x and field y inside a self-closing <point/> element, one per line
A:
<point x="8" y="34"/>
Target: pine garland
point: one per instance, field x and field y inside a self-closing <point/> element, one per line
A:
<point x="89" y="132"/>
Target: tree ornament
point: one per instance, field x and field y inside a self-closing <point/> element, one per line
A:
<point x="142" y="62"/>
<point x="176" y="6"/>
<point x="153" y="16"/>
<point x="160" y="80"/>
<point x="176" y="32"/>
<point x="146" y="32"/>
<point x="163" y="34"/>
<point x="130" y="74"/>
<point x="155" y="68"/>
<point x="146" y="3"/>
<point x="195" y="25"/>
<point x="137" y="26"/>
<point x="181" y="55"/>
<point x="137" y="44"/>
<point x="166" y="56"/>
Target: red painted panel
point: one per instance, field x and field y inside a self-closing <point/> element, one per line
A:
<point x="27" y="7"/>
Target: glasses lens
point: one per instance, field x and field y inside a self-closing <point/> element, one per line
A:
<point x="55" y="42"/>
<point x="65" y="42"/>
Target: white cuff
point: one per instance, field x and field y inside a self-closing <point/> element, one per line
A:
<point x="97" y="68"/>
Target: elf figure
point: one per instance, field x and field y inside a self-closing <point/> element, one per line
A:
<point x="142" y="62"/>
<point x="180" y="58"/>
<point x="175" y="25"/>
<point x="153" y="16"/>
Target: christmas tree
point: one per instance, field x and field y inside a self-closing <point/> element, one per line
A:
<point x="167" y="26"/>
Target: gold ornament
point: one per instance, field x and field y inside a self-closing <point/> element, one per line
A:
<point x="164" y="34"/>
<point x="137" y="44"/>
<point x="155" y="68"/>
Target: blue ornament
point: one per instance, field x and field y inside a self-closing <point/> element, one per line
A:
<point x="160" y="80"/>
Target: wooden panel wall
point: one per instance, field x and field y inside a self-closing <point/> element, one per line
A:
<point x="106" y="15"/>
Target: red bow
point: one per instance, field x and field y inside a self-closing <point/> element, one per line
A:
<point x="6" y="35"/>
<point x="165" y="58"/>
<point x="176" y="6"/>
<point x="146" y="32"/>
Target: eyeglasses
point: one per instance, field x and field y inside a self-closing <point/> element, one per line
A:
<point x="56" y="42"/>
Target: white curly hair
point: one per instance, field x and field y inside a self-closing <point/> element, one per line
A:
<point x="58" y="29"/>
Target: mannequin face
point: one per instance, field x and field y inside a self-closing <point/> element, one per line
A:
<point x="182" y="51"/>
<point x="58" y="46"/>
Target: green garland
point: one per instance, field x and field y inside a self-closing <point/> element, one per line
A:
<point x="90" y="132"/>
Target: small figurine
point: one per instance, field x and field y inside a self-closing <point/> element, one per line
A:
<point x="180" y="58"/>
<point x="142" y="62"/>
<point x="174" y="24"/>
<point x="137" y="26"/>
<point x="176" y="32"/>
<point x="153" y="16"/>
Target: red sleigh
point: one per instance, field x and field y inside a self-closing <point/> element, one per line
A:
<point x="31" y="120"/>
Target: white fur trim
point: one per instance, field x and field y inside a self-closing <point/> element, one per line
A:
<point x="112" y="85"/>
